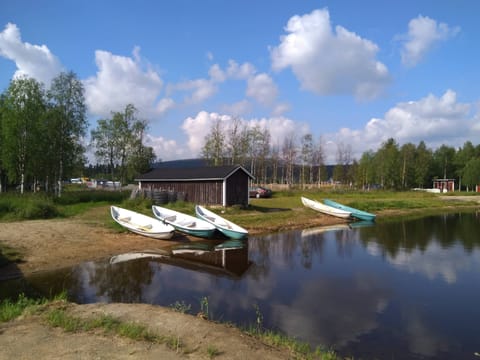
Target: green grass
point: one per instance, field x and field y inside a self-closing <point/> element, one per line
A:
<point x="299" y="349"/>
<point x="212" y="351"/>
<point x="55" y="313"/>
<point x="10" y="310"/>
<point x="27" y="206"/>
<point x="59" y="317"/>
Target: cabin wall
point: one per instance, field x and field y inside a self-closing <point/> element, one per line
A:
<point x="237" y="189"/>
<point x="198" y="192"/>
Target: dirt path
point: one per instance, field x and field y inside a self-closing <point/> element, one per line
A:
<point x="53" y="244"/>
<point x="31" y="338"/>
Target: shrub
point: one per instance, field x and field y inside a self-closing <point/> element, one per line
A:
<point x="75" y="197"/>
<point x="27" y="206"/>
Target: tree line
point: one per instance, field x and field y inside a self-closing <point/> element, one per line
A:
<point x="301" y="160"/>
<point x="42" y="136"/>
<point x="415" y="166"/>
<point x="251" y="147"/>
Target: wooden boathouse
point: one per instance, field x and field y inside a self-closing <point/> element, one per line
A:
<point x="219" y="185"/>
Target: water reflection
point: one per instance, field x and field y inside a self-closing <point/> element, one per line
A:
<point x="405" y="289"/>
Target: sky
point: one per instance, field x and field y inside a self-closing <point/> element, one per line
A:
<point x="351" y="73"/>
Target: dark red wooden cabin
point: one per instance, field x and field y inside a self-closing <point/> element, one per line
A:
<point x="219" y="185"/>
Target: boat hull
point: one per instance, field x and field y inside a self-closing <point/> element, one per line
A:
<point x="141" y="224"/>
<point x="226" y="227"/>
<point x="325" y="209"/>
<point x="356" y="213"/>
<point x="184" y="223"/>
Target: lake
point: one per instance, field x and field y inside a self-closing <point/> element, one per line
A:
<point x="402" y="290"/>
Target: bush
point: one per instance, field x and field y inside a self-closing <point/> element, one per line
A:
<point x="27" y="206"/>
<point x="43" y="209"/>
<point x="75" y="197"/>
<point x="14" y="206"/>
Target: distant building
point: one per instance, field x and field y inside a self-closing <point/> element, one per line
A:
<point x="444" y="185"/>
<point x="219" y="185"/>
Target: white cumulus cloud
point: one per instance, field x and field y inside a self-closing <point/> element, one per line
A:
<point x="423" y="34"/>
<point x="435" y="120"/>
<point x="121" y="80"/>
<point x="262" y="88"/>
<point x="238" y="108"/>
<point x="198" y="90"/>
<point x="327" y="61"/>
<point x="165" y="149"/>
<point x="35" y="61"/>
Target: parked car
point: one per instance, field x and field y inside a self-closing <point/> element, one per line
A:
<point x="259" y="192"/>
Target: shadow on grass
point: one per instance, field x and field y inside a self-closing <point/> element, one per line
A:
<point x="263" y="209"/>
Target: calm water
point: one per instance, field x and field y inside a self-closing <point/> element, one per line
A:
<point x="398" y="290"/>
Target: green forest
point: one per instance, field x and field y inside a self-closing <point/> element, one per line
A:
<point x="301" y="160"/>
<point x="43" y="143"/>
<point x="43" y="136"/>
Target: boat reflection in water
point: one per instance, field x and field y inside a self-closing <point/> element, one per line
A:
<point x="405" y="289"/>
<point x="228" y="258"/>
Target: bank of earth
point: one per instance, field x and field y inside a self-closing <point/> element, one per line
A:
<point x="52" y="244"/>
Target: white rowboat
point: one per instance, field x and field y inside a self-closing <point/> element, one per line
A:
<point x="184" y="223"/>
<point x="225" y="226"/>
<point x="141" y="224"/>
<point x="325" y="209"/>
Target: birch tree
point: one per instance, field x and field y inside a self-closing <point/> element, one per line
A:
<point x="234" y="141"/>
<point x="23" y="111"/>
<point x="423" y="161"/>
<point x="306" y="156"/>
<point x="2" y="105"/>
<point x="471" y="173"/>
<point x="67" y="124"/>
<point x="318" y="161"/>
<point x="443" y="162"/>
<point x="289" y="153"/>
<point x="365" y="170"/>
<point x="119" y="139"/>
<point x="213" y="148"/>
<point x="407" y="158"/>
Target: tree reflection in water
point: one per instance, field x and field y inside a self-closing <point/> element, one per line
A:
<point x="397" y="289"/>
<point x="122" y="282"/>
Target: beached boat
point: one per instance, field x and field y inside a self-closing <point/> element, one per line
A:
<point x="184" y="223"/>
<point x="225" y="226"/>
<point x="141" y="224"/>
<point x="356" y="213"/>
<point x="325" y="209"/>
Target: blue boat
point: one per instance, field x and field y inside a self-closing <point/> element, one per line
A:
<point x="184" y="223"/>
<point x="226" y="227"/>
<point x="358" y="214"/>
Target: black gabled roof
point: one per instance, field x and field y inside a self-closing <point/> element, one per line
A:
<point x="192" y="173"/>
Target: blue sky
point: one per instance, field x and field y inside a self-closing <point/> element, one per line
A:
<point x="348" y="72"/>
